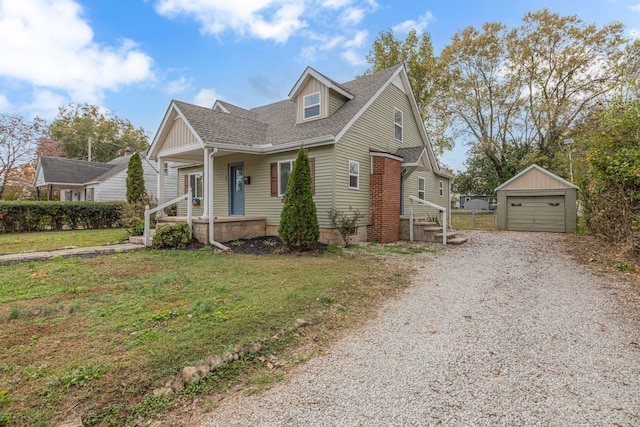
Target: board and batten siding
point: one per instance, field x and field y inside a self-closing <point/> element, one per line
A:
<point x="375" y="130"/>
<point x="313" y="86"/>
<point x="534" y="179"/>
<point x="179" y="135"/>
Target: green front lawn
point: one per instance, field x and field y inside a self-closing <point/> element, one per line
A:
<point x="11" y="243"/>
<point x="94" y="336"/>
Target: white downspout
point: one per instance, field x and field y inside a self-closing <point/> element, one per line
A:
<point x="209" y="206"/>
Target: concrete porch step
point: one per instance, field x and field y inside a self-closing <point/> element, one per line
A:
<point x="139" y="240"/>
<point x="450" y="235"/>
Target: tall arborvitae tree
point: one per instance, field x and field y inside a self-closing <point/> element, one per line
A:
<point x="299" y="219"/>
<point x="135" y="180"/>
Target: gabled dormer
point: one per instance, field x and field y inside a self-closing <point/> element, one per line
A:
<point x="317" y="96"/>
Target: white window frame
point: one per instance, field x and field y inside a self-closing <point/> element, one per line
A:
<point x="306" y="107"/>
<point x="441" y="188"/>
<point x="356" y="174"/>
<point x="281" y="190"/>
<point x="422" y="193"/>
<point x="194" y="188"/>
<point x="397" y="125"/>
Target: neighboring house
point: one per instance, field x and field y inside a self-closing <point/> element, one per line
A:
<point x="467" y="198"/>
<point x="476" y="205"/>
<point x="367" y="145"/>
<point x="79" y="180"/>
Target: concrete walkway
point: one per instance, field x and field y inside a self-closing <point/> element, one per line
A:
<point x="68" y="253"/>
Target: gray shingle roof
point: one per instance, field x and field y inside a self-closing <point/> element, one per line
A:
<point x="411" y="154"/>
<point x="276" y="123"/>
<point x="69" y="171"/>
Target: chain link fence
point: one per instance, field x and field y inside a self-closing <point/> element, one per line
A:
<point x="466" y="220"/>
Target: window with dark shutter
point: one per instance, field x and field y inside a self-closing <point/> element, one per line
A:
<point x="274" y="180"/>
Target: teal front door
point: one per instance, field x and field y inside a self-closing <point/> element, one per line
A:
<point x="236" y="189"/>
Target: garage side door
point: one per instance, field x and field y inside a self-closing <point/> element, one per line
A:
<point x="536" y="213"/>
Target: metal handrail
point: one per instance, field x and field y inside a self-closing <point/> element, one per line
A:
<point x="433" y="205"/>
<point x="148" y="212"/>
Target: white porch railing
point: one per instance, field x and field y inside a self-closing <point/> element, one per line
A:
<point x="433" y="205"/>
<point x="148" y="212"/>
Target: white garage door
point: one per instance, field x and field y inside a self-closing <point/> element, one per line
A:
<point x="536" y="213"/>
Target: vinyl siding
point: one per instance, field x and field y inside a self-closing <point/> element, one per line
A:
<point x="335" y="101"/>
<point x="375" y="129"/>
<point x="257" y="197"/>
<point x="313" y="86"/>
<point x="182" y="205"/>
<point x="178" y="136"/>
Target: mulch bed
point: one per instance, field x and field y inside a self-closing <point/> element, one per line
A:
<point x="270" y="245"/>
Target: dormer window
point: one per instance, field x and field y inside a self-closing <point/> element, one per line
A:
<point x="398" y="124"/>
<point x="311" y="106"/>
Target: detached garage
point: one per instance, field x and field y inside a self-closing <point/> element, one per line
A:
<point x="537" y="200"/>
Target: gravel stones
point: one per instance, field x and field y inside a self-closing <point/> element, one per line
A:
<point x="504" y="330"/>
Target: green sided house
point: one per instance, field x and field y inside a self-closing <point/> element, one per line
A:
<point x="366" y="142"/>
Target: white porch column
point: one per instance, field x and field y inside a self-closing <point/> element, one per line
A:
<point x="160" y="185"/>
<point x="205" y="185"/>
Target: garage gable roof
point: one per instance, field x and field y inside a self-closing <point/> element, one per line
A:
<point x="561" y="181"/>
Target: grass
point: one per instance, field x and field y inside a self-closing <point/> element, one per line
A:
<point x="461" y="220"/>
<point x="11" y="243"/>
<point x="98" y="334"/>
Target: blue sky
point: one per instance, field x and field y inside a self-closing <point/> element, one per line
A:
<point x="132" y="57"/>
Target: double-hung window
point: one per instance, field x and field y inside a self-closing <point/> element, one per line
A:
<point x="311" y="106"/>
<point x="195" y="182"/>
<point x="397" y="117"/>
<point x="421" y="188"/>
<point x="441" y="189"/>
<point x="354" y="174"/>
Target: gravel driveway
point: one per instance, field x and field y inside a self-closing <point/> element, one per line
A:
<point x="506" y="329"/>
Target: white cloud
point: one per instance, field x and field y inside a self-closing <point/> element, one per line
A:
<point x="180" y="85"/>
<point x="635" y="8"/>
<point x="336" y="4"/>
<point x="420" y="25"/>
<point x="264" y="19"/>
<point x="352" y="16"/>
<point x="206" y="97"/>
<point x="352" y="58"/>
<point x="49" y="45"/>
<point x="46" y="104"/>
<point x="358" y="40"/>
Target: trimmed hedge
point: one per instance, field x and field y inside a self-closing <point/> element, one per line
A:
<point x="22" y="216"/>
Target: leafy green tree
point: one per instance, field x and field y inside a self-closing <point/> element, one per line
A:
<point x="608" y="172"/>
<point x="567" y="67"/>
<point x="424" y="72"/>
<point x="84" y="128"/>
<point x="135" y="180"/>
<point x="299" y="219"/>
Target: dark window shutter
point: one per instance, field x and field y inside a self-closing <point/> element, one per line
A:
<point x="186" y="184"/>
<point x="312" y="166"/>
<point x="274" y="180"/>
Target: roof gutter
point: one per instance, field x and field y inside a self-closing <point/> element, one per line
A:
<point x="270" y="148"/>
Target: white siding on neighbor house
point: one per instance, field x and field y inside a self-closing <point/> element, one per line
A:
<point x="115" y="188"/>
<point x="375" y="129"/>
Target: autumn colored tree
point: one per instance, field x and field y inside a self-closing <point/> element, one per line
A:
<point x="424" y="72"/>
<point x="18" y="141"/>
<point x="88" y="133"/>
<point x="299" y="227"/>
